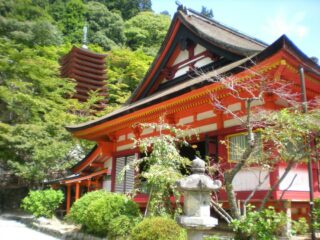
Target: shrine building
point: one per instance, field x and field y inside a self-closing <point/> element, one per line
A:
<point x="179" y="87"/>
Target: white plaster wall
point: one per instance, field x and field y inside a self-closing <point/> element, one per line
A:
<point x="183" y="55"/>
<point x="107" y="180"/>
<point x="107" y="184"/>
<point x="181" y="71"/>
<point x="130" y="136"/>
<point x="300" y="183"/>
<point x="186" y="120"/>
<point x="125" y="147"/>
<point x="147" y="131"/>
<point x="121" y="138"/>
<point x="205" y="115"/>
<point x="234" y="107"/>
<point x="199" y="49"/>
<point x="207" y="128"/>
<point x="249" y="179"/>
<point x="203" y="62"/>
<point x="231" y="122"/>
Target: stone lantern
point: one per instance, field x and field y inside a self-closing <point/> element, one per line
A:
<point x="196" y="189"/>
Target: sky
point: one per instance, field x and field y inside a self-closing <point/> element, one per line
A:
<point x="266" y="20"/>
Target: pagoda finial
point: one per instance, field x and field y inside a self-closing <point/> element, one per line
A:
<point x="85" y="37"/>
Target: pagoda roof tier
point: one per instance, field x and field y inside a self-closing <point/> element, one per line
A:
<point x="90" y="84"/>
<point x="84" y="73"/>
<point x="83" y="54"/>
<point x="65" y="69"/>
<point x="83" y="63"/>
<point x="87" y="80"/>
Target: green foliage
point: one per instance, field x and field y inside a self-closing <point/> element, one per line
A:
<point x="35" y="109"/>
<point x="316" y="214"/>
<point x="96" y="210"/>
<point x="23" y="10"/>
<point x="127" y="8"/>
<point x="158" y="228"/>
<point x="121" y="227"/>
<point x="161" y="167"/>
<point x="210" y="238"/>
<point x="30" y="33"/>
<point x="287" y="131"/>
<point x="42" y="203"/>
<point x="300" y="227"/>
<point x="125" y="69"/>
<point x="71" y="20"/>
<point x="264" y="225"/>
<point x="105" y="27"/>
<point x="79" y="209"/>
<point x="146" y="30"/>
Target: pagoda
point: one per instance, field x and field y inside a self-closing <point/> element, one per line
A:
<point x="87" y="68"/>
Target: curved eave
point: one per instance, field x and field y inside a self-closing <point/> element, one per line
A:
<point x="89" y="158"/>
<point x="162" y="96"/>
<point x="283" y="43"/>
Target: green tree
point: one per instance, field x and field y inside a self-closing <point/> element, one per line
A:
<point x="70" y="17"/>
<point x="105" y="28"/>
<point x="23" y="10"/>
<point x="282" y="132"/>
<point x="161" y="167"/>
<point x="125" y="69"/>
<point x="127" y="8"/>
<point x="146" y="30"/>
<point x="35" y="107"/>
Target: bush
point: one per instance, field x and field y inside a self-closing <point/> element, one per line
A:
<point x="263" y="225"/>
<point x="316" y="214"/>
<point x="158" y="228"/>
<point x="300" y="227"/>
<point x="78" y="211"/>
<point x="121" y="227"/>
<point x="42" y="203"/>
<point x="96" y="210"/>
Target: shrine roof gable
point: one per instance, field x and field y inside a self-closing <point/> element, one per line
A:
<point x="194" y="43"/>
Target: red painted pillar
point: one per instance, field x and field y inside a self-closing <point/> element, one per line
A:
<point x="77" y="191"/>
<point x="68" y="198"/>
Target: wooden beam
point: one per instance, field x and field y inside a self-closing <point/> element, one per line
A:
<point x="79" y="179"/>
<point x="96" y="164"/>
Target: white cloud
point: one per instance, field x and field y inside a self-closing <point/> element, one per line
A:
<point x="291" y="25"/>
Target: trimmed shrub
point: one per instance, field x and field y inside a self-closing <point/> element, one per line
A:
<point x="158" y="228"/>
<point x="78" y="211"/>
<point x="42" y="203"/>
<point x="96" y="210"/>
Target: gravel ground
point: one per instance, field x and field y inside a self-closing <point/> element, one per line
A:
<point x="13" y="230"/>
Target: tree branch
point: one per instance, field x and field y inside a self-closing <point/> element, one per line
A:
<point x="221" y="212"/>
<point x="255" y="190"/>
<point x="268" y="195"/>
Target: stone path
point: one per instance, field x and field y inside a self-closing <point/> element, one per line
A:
<point x="13" y="230"/>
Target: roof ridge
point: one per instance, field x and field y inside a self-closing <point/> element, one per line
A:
<point x="226" y="27"/>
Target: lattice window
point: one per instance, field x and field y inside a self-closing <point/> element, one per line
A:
<point x="237" y="144"/>
<point x="127" y="184"/>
